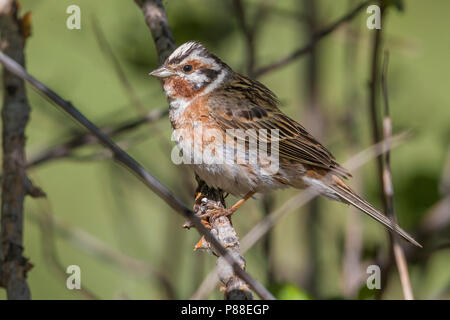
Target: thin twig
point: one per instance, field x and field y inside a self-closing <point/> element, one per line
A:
<point x="45" y="223"/>
<point x="311" y="82"/>
<point x="267" y="203"/>
<point x="388" y="190"/>
<point x="248" y="34"/>
<point x="66" y="149"/>
<point x="97" y="248"/>
<point x="352" y="269"/>
<point x="109" y="53"/>
<point x="318" y="36"/>
<point x="373" y="98"/>
<point x="374" y="116"/>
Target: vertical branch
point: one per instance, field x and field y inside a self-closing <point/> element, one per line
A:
<point x="249" y="35"/>
<point x="374" y="117"/>
<point x="318" y="36"/>
<point x="352" y="271"/>
<point x="314" y="115"/>
<point x="15" y="114"/>
<point x="109" y="53"/>
<point x="384" y="172"/>
<point x="268" y="247"/>
<point x="221" y="227"/>
<point x="388" y="190"/>
<point x="373" y="96"/>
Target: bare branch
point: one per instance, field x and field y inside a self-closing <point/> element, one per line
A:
<point x="66" y="149"/>
<point x="388" y="191"/>
<point x="318" y="36"/>
<point x="15" y="114"/>
<point x="250" y="30"/>
<point x="352" y="269"/>
<point x="373" y="99"/>
<point x="51" y="257"/>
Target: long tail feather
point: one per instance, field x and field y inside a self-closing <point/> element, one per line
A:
<point x="352" y="198"/>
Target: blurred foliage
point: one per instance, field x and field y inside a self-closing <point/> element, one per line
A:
<point x="398" y="4"/>
<point x="105" y="201"/>
<point x="365" y="293"/>
<point x="288" y="291"/>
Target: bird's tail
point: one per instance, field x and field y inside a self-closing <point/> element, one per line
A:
<point x="349" y="196"/>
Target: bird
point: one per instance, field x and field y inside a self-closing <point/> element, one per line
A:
<point x="217" y="112"/>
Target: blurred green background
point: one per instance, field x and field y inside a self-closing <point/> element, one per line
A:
<point x="104" y="208"/>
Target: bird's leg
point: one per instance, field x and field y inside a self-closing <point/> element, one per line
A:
<point x="238" y="204"/>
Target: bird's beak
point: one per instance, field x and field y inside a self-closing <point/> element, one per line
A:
<point x="161" y="72"/>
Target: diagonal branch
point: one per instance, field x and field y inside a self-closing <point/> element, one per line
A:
<point x="66" y="148"/>
<point x="307" y="48"/>
<point x="51" y="226"/>
<point x="156" y="19"/>
<point x="109" y="54"/>
<point x="51" y="257"/>
<point x="249" y="34"/>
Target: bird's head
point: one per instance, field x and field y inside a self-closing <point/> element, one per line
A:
<point x="191" y="71"/>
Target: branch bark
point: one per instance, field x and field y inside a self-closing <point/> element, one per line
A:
<point x="235" y="288"/>
<point x="15" y="114"/>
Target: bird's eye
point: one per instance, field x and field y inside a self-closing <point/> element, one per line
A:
<point x="187" y="68"/>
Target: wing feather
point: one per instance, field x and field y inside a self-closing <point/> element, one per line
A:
<point x="247" y="104"/>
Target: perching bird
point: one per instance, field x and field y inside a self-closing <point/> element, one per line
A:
<point x="211" y="106"/>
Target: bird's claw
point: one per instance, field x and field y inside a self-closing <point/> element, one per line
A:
<point x="214" y="211"/>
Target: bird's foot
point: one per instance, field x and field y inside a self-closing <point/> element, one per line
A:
<point x="215" y="210"/>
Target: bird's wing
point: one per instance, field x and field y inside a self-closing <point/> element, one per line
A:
<point x="247" y="104"/>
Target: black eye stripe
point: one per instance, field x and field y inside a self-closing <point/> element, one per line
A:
<point x="210" y="73"/>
